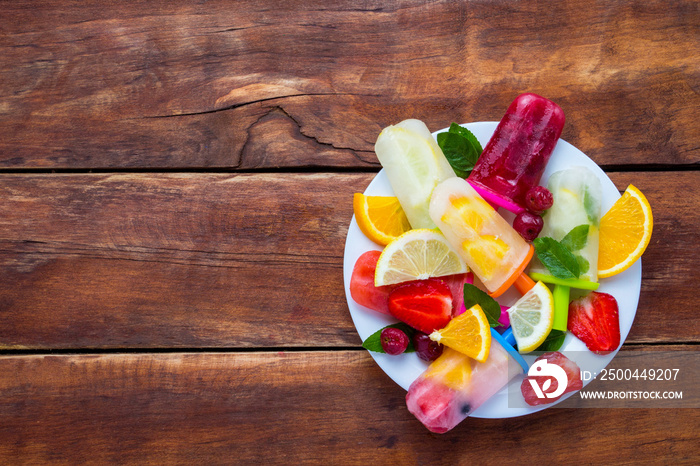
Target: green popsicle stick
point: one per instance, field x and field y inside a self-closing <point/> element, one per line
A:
<point x="562" y="286"/>
<point x="561" y="307"/>
<point x="570" y="282"/>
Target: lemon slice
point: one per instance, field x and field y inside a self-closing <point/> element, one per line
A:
<point x="469" y="333"/>
<point x="417" y="255"/>
<point x="380" y="218"/>
<point x="625" y="231"/>
<point x="531" y="317"/>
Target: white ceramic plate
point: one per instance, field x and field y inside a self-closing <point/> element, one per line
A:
<point x="405" y="368"/>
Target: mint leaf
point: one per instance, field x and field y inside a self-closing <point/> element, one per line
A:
<point x="576" y="239"/>
<point x="473" y="295"/>
<point x="553" y="341"/>
<point x="591" y="207"/>
<point x="455" y="128"/>
<point x="583" y="264"/>
<point x="459" y="152"/>
<point x="558" y="259"/>
<point x="374" y="341"/>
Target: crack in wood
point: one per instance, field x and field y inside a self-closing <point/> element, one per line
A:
<point x="252" y="102"/>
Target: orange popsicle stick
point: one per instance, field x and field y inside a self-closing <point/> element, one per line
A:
<point x="524" y="283"/>
<point x="518" y="272"/>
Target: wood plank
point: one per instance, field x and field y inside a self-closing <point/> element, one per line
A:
<point x="284" y="408"/>
<point x="200" y="260"/>
<point x="668" y="258"/>
<point x="174" y="260"/>
<point x="309" y="83"/>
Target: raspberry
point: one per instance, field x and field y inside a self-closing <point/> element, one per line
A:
<point x="528" y="225"/>
<point x="394" y="341"/>
<point x="426" y="349"/>
<point x="538" y="199"/>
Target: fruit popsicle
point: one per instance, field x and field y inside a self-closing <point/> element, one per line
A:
<point x="414" y="165"/>
<point x="455" y="385"/>
<point x="492" y="249"/>
<point x="516" y="155"/>
<point x="574" y="219"/>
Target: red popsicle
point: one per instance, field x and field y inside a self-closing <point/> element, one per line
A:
<point x="518" y="152"/>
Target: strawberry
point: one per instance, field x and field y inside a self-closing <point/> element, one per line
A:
<point x="425" y="305"/>
<point x="594" y="319"/>
<point x="433" y="404"/>
<point x="573" y="374"/>
<point x="364" y="293"/>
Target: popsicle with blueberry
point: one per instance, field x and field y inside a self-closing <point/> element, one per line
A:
<point x="455" y="385"/>
<point x="515" y="157"/>
<point x="574" y="221"/>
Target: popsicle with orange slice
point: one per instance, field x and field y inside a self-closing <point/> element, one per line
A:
<point x="457" y="383"/>
<point x="489" y="245"/>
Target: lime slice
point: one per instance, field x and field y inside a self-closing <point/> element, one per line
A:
<point x="417" y="255"/>
<point x="531" y="317"/>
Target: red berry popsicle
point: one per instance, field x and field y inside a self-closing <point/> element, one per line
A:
<point x="518" y="152"/>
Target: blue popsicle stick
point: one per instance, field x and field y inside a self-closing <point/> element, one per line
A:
<point x="507" y="341"/>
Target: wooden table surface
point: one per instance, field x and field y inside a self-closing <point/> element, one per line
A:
<point x="175" y="191"/>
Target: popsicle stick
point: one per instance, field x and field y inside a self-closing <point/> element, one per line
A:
<point x="507" y="341"/>
<point x="562" y="287"/>
<point x="523" y="283"/>
<point x="570" y="282"/>
<point x="561" y="307"/>
<point x="496" y="200"/>
<point x="518" y="272"/>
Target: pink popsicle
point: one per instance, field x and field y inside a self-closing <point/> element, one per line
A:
<point x="516" y="155"/>
<point x="454" y="385"/>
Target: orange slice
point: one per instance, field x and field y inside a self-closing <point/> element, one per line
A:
<point x="452" y="368"/>
<point x="487" y="251"/>
<point x="380" y="218"/>
<point x="469" y="333"/>
<point x="625" y="231"/>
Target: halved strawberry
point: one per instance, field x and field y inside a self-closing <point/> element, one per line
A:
<point x="425" y="305"/>
<point x="573" y="374"/>
<point x="594" y="319"/>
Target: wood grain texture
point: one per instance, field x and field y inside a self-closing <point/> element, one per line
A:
<point x="128" y="266"/>
<point x="205" y="260"/>
<point x="306" y="407"/>
<point x="247" y="85"/>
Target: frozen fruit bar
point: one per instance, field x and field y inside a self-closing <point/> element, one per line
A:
<point x="516" y="155"/>
<point x="455" y="385"/>
<point x="414" y="165"/>
<point x="492" y="249"/>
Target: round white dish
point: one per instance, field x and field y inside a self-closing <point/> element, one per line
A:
<point x="405" y="368"/>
